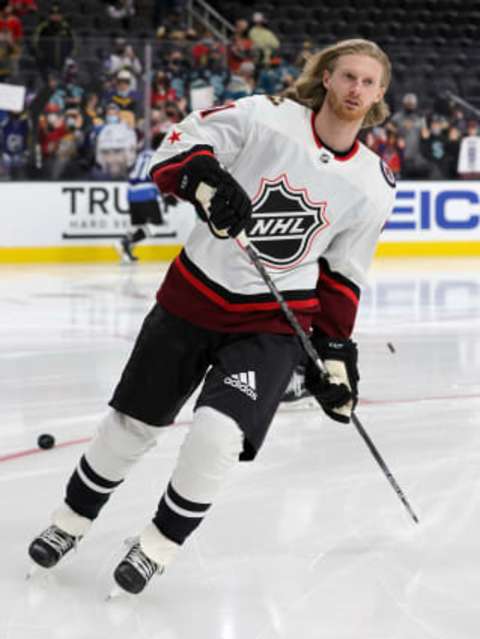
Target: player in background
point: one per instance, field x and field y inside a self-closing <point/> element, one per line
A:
<point x="146" y="204"/>
<point x="291" y="172"/>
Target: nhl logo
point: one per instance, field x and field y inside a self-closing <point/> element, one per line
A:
<point x="285" y="222"/>
<point x="325" y="157"/>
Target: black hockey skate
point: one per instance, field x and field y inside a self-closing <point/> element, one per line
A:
<point x="126" y="250"/>
<point x="51" y="545"/>
<point x="135" y="570"/>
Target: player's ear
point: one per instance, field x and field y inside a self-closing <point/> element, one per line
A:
<point x="380" y="94"/>
<point x="326" y="78"/>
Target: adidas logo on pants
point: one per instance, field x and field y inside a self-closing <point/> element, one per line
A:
<point x="244" y="382"/>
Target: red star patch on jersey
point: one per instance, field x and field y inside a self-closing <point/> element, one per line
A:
<point x="174" y="137"/>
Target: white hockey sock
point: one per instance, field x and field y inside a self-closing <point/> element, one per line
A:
<point x="210" y="449"/>
<point x="120" y="442"/>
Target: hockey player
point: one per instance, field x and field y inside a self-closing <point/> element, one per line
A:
<point x="145" y="202"/>
<point x="313" y="200"/>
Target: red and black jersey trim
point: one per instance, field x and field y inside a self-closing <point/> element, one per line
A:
<point x="339" y="298"/>
<point x="238" y="301"/>
<point x="341" y="156"/>
<point x="188" y="293"/>
<point x="166" y="174"/>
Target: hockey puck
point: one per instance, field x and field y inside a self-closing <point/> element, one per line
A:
<point x="391" y="347"/>
<point x="46" y="441"/>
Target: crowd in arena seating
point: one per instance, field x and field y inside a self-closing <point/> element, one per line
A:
<point x="88" y="121"/>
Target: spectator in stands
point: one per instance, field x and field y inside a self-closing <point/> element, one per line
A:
<point x="277" y="76"/>
<point x="436" y="147"/>
<point x="73" y="92"/>
<point x="219" y="75"/>
<point x="264" y="40"/>
<point x="390" y="147"/>
<point x="67" y="162"/>
<point x="409" y="123"/>
<point x="115" y="151"/>
<point x="50" y="92"/>
<point x="10" y="24"/>
<point x="240" y="48"/>
<point x="468" y="167"/>
<point x="203" y="48"/>
<point x="23" y="7"/>
<point x="242" y="83"/>
<point x="14" y="133"/>
<point x="458" y="119"/>
<point x="305" y="54"/>
<point x="122" y="95"/>
<point x="162" y="89"/>
<point x="159" y="123"/>
<point x="121" y="10"/>
<point x="53" y="40"/>
<point x="164" y="115"/>
<point x="51" y="129"/>
<point x="92" y="115"/>
<point x="124" y="58"/>
<point x="178" y="70"/>
<point x="7" y="56"/>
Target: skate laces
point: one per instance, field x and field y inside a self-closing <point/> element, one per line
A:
<point x="58" y="539"/>
<point x="142" y="564"/>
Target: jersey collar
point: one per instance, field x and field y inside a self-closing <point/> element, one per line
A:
<point x="341" y="156"/>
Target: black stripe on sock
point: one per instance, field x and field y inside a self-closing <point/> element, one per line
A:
<point x="95" y="477"/>
<point x="186" y="504"/>
<point x="82" y="499"/>
<point x="174" y="526"/>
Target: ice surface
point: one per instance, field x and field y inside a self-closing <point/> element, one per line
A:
<point x="309" y="541"/>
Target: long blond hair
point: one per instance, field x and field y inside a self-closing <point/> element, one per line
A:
<point x="308" y="89"/>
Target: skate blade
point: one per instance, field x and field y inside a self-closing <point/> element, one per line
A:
<point x="117" y="593"/>
<point x="34" y="569"/>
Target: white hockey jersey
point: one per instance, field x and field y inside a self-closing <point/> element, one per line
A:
<point x="317" y="217"/>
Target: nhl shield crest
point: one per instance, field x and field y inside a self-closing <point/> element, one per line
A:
<point x="285" y="222"/>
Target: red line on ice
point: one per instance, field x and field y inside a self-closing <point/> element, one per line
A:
<point x="70" y="442"/>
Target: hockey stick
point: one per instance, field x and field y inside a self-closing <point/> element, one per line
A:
<point x="204" y="194"/>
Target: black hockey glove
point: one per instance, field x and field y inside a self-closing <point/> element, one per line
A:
<point x="337" y="395"/>
<point x="230" y="208"/>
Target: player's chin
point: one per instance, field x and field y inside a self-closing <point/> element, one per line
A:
<point x="352" y="113"/>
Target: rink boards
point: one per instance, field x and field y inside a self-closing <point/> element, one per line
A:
<point x="82" y="221"/>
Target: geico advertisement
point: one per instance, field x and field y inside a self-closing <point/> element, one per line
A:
<point x="63" y="213"/>
<point x="435" y="211"/>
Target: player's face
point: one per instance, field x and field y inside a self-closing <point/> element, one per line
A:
<point x="354" y="86"/>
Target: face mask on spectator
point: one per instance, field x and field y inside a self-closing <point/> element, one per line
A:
<point x="52" y="121"/>
<point x="71" y="123"/>
<point x="112" y="118"/>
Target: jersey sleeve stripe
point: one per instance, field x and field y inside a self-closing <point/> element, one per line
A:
<point x="166" y="174"/>
<point x="339" y="298"/>
<point x="339" y="282"/>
